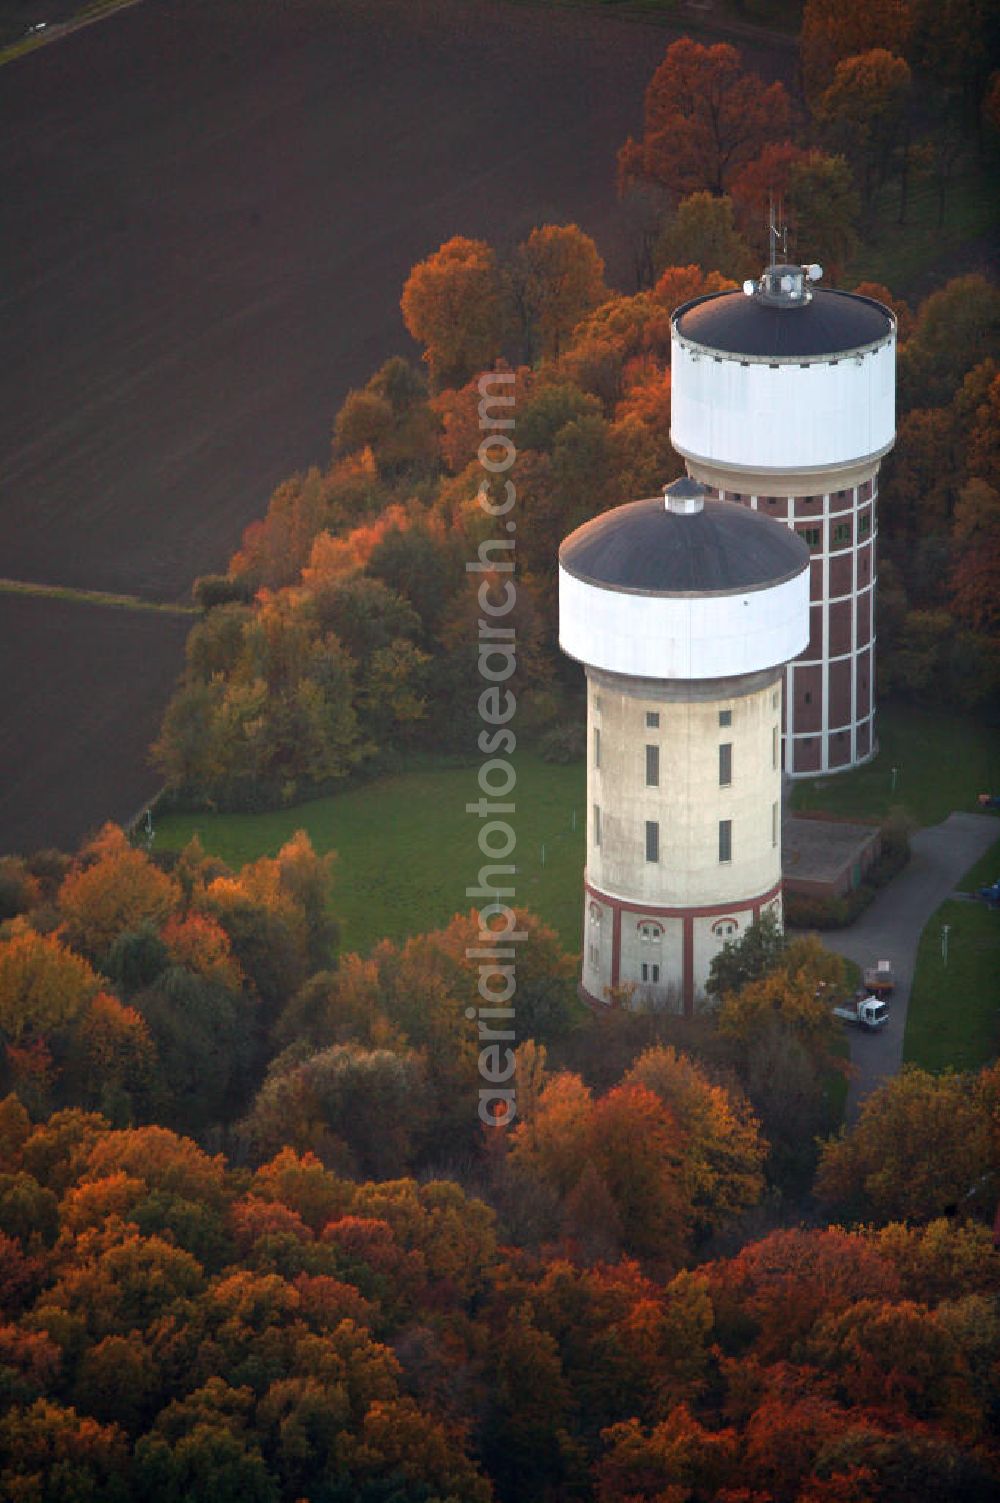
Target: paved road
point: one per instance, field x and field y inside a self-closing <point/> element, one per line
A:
<point x="890" y="929"/>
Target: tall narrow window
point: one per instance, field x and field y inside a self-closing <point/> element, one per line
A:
<point x="774" y="824"/>
<point x="652" y="840"/>
<point x="725" y="839"/>
<point x="597" y="824"/>
<point x="725" y="717"/>
<point x="774" y="747"/>
<point x="652" y="767"/>
<point x="725" y="764"/>
<point x="597" y="746"/>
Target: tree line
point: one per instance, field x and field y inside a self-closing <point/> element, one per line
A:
<point x="254" y="1242"/>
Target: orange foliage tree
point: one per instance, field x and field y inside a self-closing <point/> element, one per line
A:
<point x="453" y="305"/>
<point x="705" y="117"/>
<point x="561" y="279"/>
<point x="833" y="30"/>
<point x="118" y="892"/>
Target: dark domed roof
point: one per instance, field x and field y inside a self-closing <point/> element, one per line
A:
<point x="644" y="548"/>
<point x="829" y="323"/>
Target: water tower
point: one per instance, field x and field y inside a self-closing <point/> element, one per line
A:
<point x="783" y="400"/>
<point x="684" y="612"/>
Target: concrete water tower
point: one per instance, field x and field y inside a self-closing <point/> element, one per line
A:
<point x="683" y="611"/>
<point x="783" y="400"/>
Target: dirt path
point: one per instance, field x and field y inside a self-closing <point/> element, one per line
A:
<point x="891" y="928"/>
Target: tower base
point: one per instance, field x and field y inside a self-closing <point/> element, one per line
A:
<point x="637" y="953"/>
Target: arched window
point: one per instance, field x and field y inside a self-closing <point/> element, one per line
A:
<point x="595" y="913"/>
<point x="650" y="933"/>
<point x="725" y="928"/>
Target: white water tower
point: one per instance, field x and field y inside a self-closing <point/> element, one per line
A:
<point x="684" y="612"/>
<point x="783" y="401"/>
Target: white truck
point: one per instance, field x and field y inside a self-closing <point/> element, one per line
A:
<point x="864" y="1011"/>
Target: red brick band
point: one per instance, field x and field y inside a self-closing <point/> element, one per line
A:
<point x="691" y="910"/>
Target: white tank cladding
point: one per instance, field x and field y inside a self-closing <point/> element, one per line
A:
<point x="783" y="400"/>
<point x="794" y="381"/>
<point x="683" y="613"/>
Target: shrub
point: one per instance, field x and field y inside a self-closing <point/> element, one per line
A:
<point x="563" y="744"/>
<point x="211" y="590"/>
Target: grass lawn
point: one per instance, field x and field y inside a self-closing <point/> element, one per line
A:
<point x="407" y="849"/>
<point x="942" y="763"/>
<point x="904" y="257"/>
<point x="954" y="1012"/>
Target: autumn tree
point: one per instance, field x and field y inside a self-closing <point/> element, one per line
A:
<point x="453" y="305"/>
<point x="817" y="199"/>
<point x="935" y="1260"/>
<point x="721" y="1151"/>
<point x="920" y="1147"/>
<point x="833" y="31"/>
<point x="770" y="1297"/>
<point x="560" y="277"/>
<point x="275" y="548"/>
<point x="898" y="306"/>
<point x="919" y="488"/>
<point x="702" y="231"/>
<point x="677" y="1458"/>
<point x="390" y="421"/>
<point x="898" y="1357"/>
<point x="705" y="117"/>
<point x="281" y="716"/>
<point x="863" y="116"/>
<point x="361" y="1111"/>
<point x="625" y="1147"/>
<point x="984" y="429"/>
<point x="119" y="891"/>
<point x="114" y="1061"/>
<point x="782" y="1038"/>
<point x="43" y="986"/>
<point x="958" y="327"/>
<point x="976" y="575"/>
<point x="50" y="1452"/>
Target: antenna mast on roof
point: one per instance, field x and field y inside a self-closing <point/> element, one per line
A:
<point x="774" y="233"/>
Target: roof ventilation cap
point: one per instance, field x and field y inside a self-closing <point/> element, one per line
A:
<point x="685" y="497"/>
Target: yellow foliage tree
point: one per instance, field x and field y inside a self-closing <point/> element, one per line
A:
<point x="116" y="893"/>
<point x="563" y="280"/>
<point x="722" y="1150"/>
<point x="43" y="986"/>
